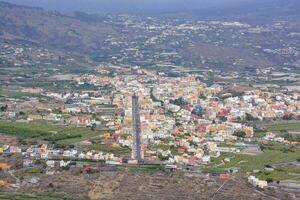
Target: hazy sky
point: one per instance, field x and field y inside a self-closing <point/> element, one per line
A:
<point x="124" y="5"/>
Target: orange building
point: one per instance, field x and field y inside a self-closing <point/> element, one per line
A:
<point x="4" y="166"/>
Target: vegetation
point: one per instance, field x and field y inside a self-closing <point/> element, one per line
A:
<point x="146" y="169"/>
<point x="33" y="171"/>
<point x="17" y="94"/>
<point x="280" y="173"/>
<point x="47" y="132"/>
<point x="179" y="102"/>
<point x="247" y="163"/>
<point x="291" y="137"/>
<point x="241" y="134"/>
<point x="283" y="127"/>
<point x="165" y="147"/>
<point x="3" y="108"/>
<point x="108" y="149"/>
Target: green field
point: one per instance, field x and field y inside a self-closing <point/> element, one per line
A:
<point x="16" y="94"/>
<point x="281" y="173"/>
<point x="47" y="132"/>
<point x="248" y="163"/>
<point x="151" y="169"/>
<point x="115" y="150"/>
<point x="288" y="126"/>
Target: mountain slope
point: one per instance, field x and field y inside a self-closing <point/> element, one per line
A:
<point x="39" y="27"/>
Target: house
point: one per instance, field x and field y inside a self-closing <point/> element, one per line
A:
<point x="80" y="121"/>
<point x="50" y="163"/>
<point x="3" y="183"/>
<point x="81" y="155"/>
<point x="248" y="132"/>
<point x="171" y="167"/>
<point x="224" y="177"/>
<point x="62" y="163"/>
<point x="4" y="166"/>
<point x="44" y="155"/>
<point x="28" y="163"/>
<point x="67" y="153"/>
<point x="257" y="183"/>
<point x="34" y="117"/>
<point x="111" y="162"/>
<point x="15" y="149"/>
<point x="192" y="161"/>
<point x="53" y="117"/>
<point x="205" y="159"/>
<point x="8" y="115"/>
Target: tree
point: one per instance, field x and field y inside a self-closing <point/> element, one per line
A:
<point x="241" y="134"/>
<point x="4" y="108"/>
<point x="249" y="117"/>
<point x="21" y="113"/>
<point x="179" y="102"/>
<point x="269" y="180"/>
<point x="202" y="96"/>
<point x="93" y="127"/>
<point x="177" y="123"/>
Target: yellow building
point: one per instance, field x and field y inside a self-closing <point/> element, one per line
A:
<point x="3" y="183"/>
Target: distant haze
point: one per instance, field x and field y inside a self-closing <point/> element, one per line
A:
<point x="126" y="6"/>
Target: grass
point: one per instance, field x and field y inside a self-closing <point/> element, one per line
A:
<point x="248" y="163"/>
<point x="151" y="169"/>
<point x="45" y="131"/>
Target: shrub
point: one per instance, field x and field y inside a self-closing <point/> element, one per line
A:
<point x="269" y="180"/>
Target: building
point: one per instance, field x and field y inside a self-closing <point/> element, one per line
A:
<point x="256" y="182"/>
<point x="136" y="129"/>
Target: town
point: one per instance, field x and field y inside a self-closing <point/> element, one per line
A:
<point x="184" y="125"/>
<point x="126" y="106"/>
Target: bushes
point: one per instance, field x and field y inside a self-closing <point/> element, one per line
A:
<point x="179" y="102"/>
<point x="291" y="137"/>
<point x="269" y="180"/>
<point x="240" y="134"/>
<point x="288" y="149"/>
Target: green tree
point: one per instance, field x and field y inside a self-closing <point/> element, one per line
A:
<point x="4" y="108"/>
<point x="240" y="134"/>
